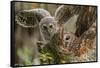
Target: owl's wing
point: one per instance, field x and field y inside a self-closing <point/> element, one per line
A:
<point x="64" y="13"/>
<point x="86" y="42"/>
<point x="85" y="31"/>
<point x="86" y="18"/>
<point x="30" y="18"/>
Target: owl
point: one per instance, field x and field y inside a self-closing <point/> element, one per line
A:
<point x="81" y="44"/>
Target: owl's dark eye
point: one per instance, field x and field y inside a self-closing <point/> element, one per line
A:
<point x="68" y="37"/>
<point x="51" y="26"/>
<point x="44" y="27"/>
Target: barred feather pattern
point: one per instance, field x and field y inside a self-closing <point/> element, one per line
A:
<point x="30" y="18"/>
<point x="64" y="13"/>
<point x="87" y="17"/>
<point x="84" y="47"/>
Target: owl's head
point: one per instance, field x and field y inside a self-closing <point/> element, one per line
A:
<point x="49" y="27"/>
<point x="68" y="38"/>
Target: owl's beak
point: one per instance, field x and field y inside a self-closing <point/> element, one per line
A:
<point x="48" y="32"/>
<point x="66" y="44"/>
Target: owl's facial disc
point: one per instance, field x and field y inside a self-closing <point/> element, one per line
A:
<point x="67" y="39"/>
<point x="48" y="27"/>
